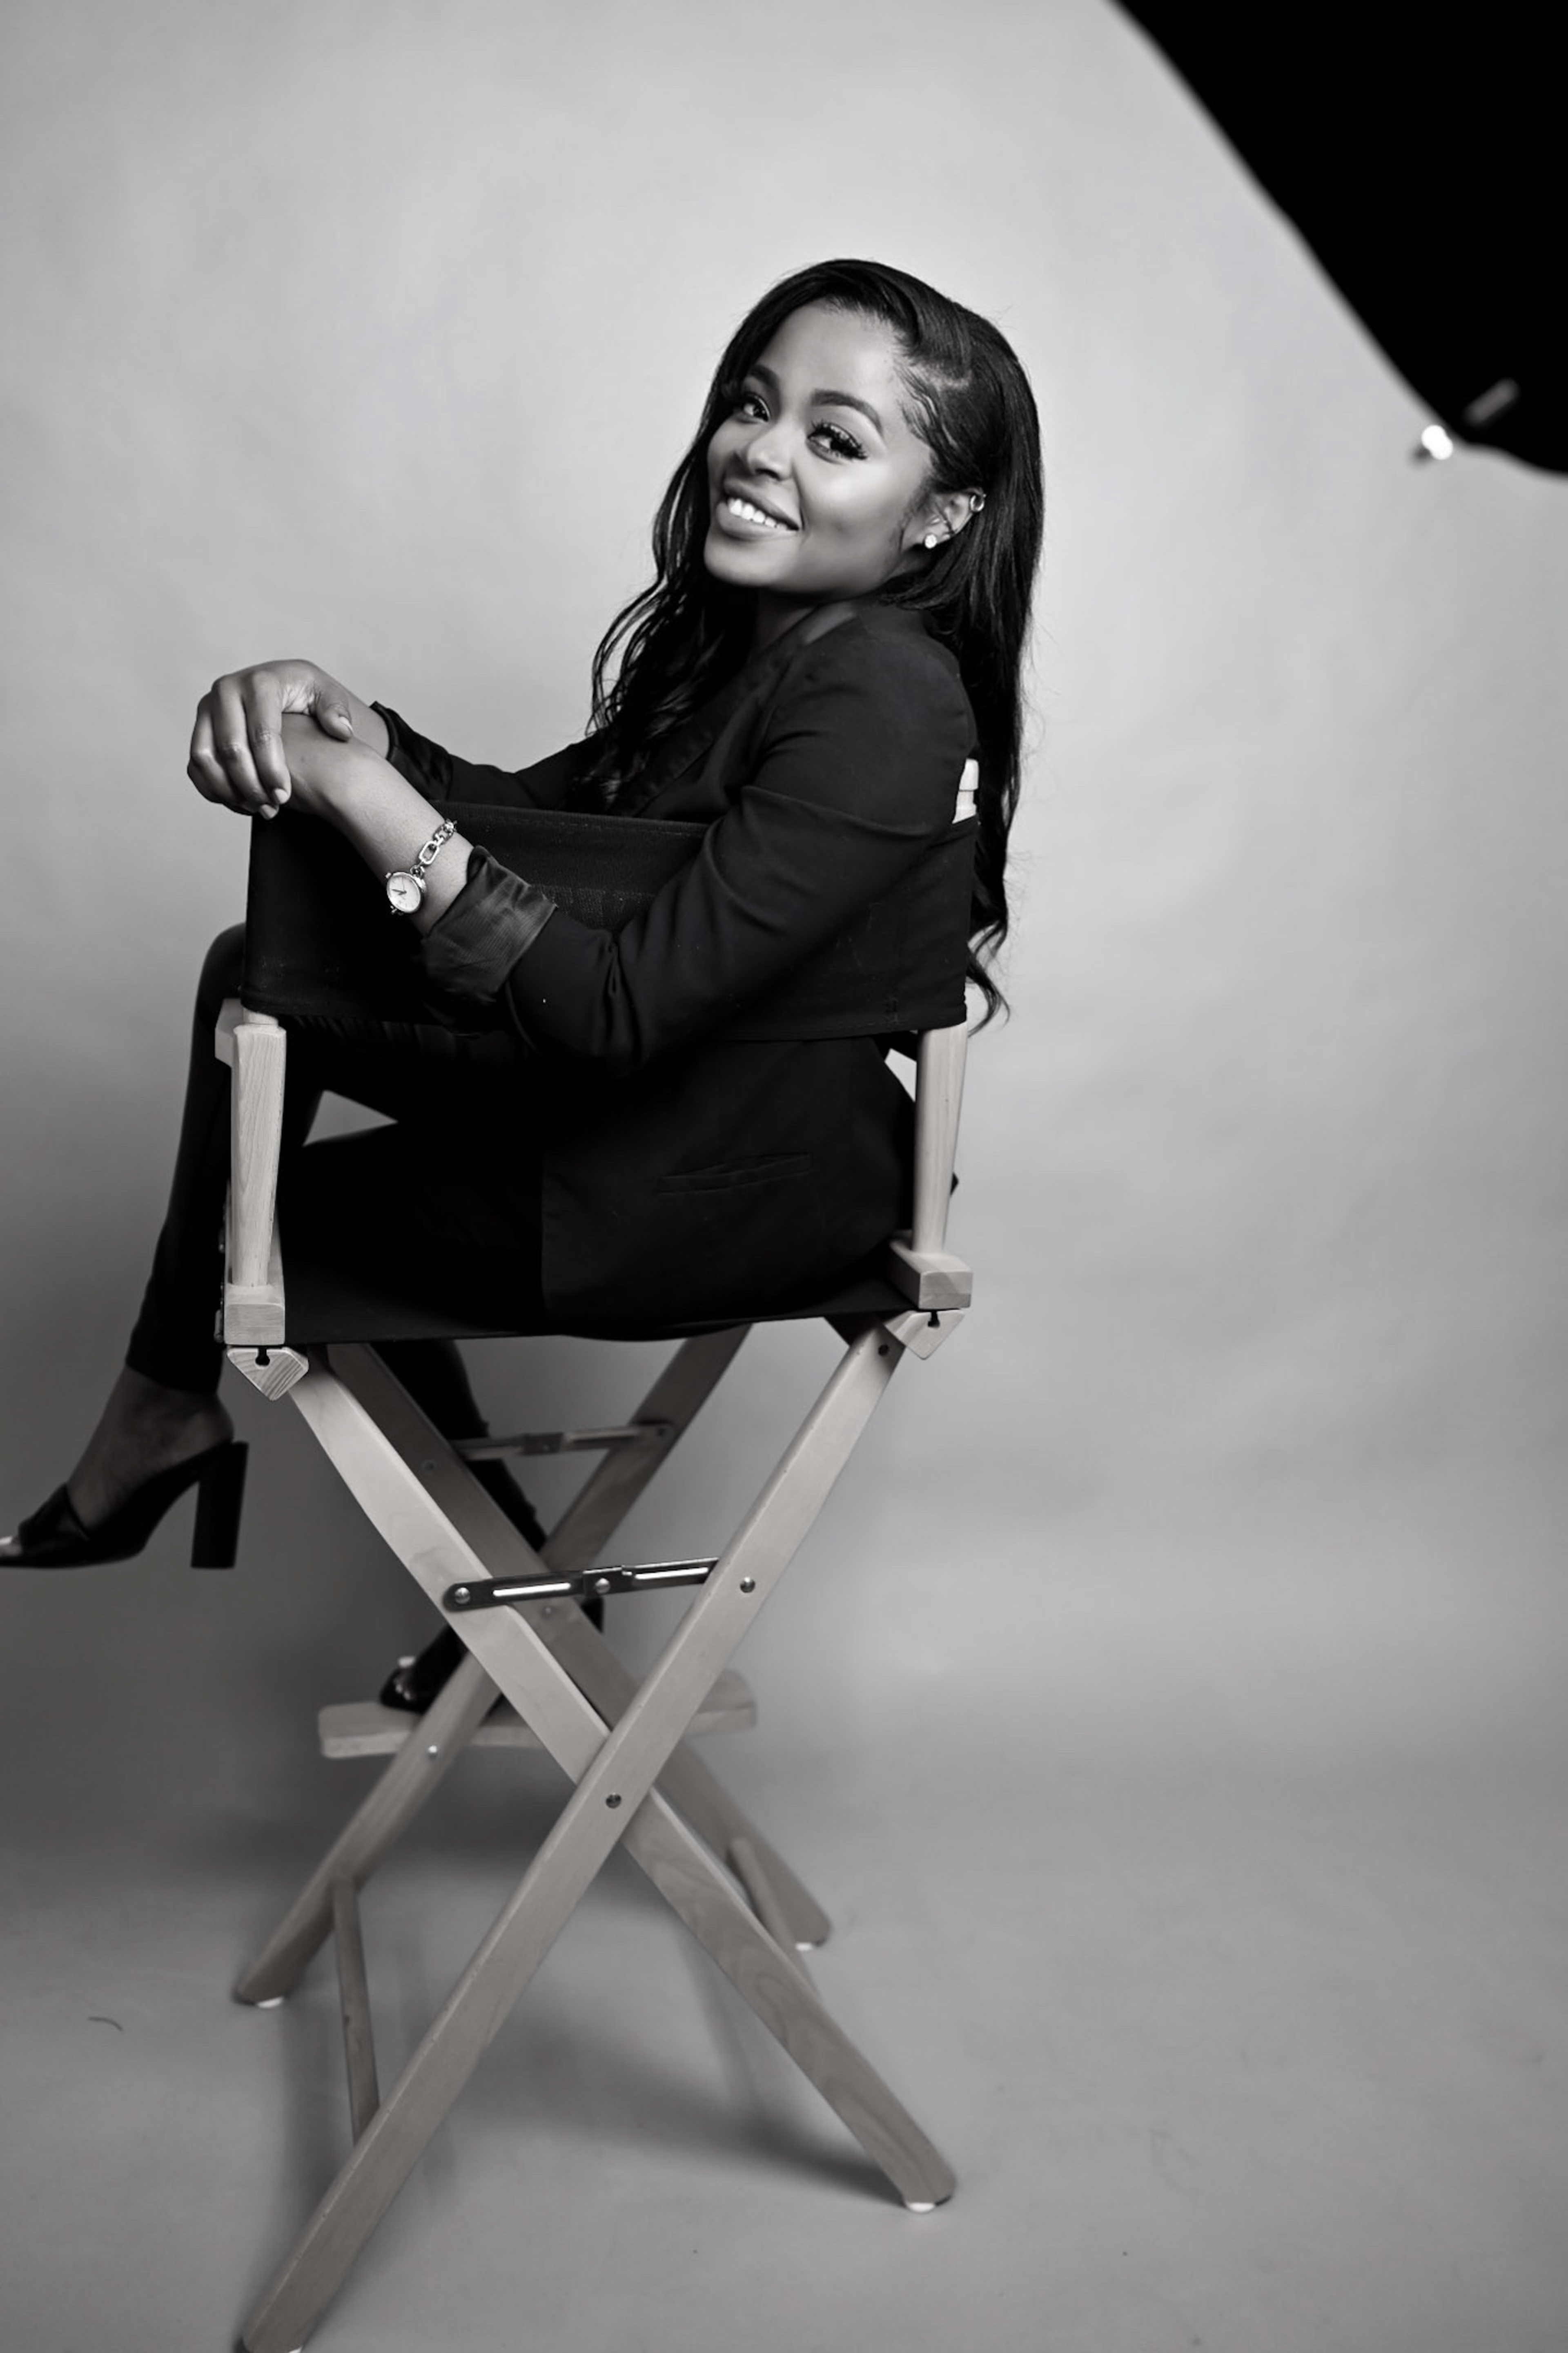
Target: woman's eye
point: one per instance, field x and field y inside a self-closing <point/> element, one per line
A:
<point x="842" y="444"/>
<point x="749" y="403"/>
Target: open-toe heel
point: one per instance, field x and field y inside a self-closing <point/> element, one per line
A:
<point x="54" y="1538"/>
<point x="214" y="1539"/>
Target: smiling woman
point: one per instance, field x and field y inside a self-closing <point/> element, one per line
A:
<point x="820" y="485"/>
<point x="605" y="1126"/>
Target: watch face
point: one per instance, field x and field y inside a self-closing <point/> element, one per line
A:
<point x="403" y="892"/>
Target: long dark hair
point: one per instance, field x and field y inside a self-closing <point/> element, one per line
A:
<point x="970" y="402"/>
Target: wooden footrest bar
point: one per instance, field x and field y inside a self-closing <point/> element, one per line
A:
<point x="365" y="1728"/>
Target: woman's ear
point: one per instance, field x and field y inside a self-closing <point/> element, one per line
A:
<point x="938" y="520"/>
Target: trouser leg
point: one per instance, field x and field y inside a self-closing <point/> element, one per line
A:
<point x="436" y="1377"/>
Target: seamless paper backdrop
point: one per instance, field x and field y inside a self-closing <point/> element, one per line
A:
<point x="373" y="334"/>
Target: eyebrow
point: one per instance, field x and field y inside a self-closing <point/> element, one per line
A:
<point x="824" y="397"/>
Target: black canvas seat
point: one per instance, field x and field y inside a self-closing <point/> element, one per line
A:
<point x="330" y="1303"/>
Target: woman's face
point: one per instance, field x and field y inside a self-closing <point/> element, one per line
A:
<point x="815" y="477"/>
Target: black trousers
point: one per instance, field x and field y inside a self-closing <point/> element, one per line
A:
<point x="451" y="1192"/>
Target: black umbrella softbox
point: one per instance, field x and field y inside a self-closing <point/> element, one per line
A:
<point x="1422" y="165"/>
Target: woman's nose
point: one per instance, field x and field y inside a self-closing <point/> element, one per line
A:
<point x="768" y="454"/>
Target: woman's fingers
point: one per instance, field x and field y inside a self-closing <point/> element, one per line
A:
<point x="329" y="712"/>
<point x="262" y="700"/>
<point x="231" y="747"/>
<point x="204" y="767"/>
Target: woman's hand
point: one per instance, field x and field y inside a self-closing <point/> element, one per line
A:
<point x="237" y="746"/>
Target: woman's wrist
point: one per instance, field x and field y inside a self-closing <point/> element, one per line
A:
<point x="389" y="821"/>
<point x="444" y="878"/>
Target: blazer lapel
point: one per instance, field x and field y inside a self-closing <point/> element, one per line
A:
<point x="682" y="750"/>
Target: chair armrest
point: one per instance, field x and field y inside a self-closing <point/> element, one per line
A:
<point x="920" y="1262"/>
<point x="255" y="1048"/>
<point x="933" y="1280"/>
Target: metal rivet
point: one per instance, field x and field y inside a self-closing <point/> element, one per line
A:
<point x="613" y="1799"/>
<point x="601" y="1585"/>
<point x="433" y="1749"/>
<point x="748" y="1585"/>
<point x="460" y="1593"/>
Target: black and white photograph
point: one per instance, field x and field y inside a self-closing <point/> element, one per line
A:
<point x="701" y="705"/>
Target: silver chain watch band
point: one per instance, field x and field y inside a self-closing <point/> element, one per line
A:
<point x="405" y="884"/>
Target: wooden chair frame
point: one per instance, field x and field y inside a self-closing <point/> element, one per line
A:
<point x="638" y="1783"/>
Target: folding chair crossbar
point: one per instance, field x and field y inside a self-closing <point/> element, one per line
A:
<point x="582" y="1585"/>
<point x="564" y="1442"/>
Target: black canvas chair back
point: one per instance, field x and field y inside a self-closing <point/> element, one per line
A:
<point x="320" y="938"/>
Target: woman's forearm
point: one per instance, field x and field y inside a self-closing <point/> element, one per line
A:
<point x="388" y="823"/>
<point x="387" y="820"/>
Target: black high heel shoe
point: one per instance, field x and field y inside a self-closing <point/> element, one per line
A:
<point x="53" y="1537"/>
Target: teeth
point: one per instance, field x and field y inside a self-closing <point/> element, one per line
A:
<point x="750" y="513"/>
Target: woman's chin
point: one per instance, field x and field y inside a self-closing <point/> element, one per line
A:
<point x="727" y="560"/>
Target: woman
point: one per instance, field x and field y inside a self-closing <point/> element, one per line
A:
<point x="845" y="560"/>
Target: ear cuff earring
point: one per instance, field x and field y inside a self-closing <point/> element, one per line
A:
<point x="977" y="501"/>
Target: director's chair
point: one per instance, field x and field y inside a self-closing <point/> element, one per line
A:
<point x="316" y="938"/>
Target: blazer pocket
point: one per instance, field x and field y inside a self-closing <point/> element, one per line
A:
<point x="731" y="1176"/>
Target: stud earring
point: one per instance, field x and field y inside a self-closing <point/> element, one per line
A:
<point x="930" y="540"/>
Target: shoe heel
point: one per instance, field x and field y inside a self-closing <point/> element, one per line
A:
<point x="219" y="1494"/>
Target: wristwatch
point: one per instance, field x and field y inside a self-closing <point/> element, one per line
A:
<point x="405" y="884"/>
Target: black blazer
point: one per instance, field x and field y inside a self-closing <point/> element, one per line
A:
<point x="692" y="1161"/>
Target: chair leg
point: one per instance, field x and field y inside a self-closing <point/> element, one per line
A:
<point x="615" y="1772"/>
<point x="588" y="1522"/>
<point x="421" y="1764"/>
<point x="692" y="1788"/>
<point x="412" y="1775"/>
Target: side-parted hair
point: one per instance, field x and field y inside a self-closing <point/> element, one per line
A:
<point x="970" y="402"/>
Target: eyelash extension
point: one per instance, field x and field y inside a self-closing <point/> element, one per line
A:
<point x="843" y="444"/>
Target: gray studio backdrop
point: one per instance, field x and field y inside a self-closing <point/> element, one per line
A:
<point x="373" y="334"/>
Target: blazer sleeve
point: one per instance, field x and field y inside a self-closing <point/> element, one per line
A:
<point x="856" y="773"/>
<point x="441" y="776"/>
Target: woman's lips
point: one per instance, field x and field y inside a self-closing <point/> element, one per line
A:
<point x="746" y="519"/>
